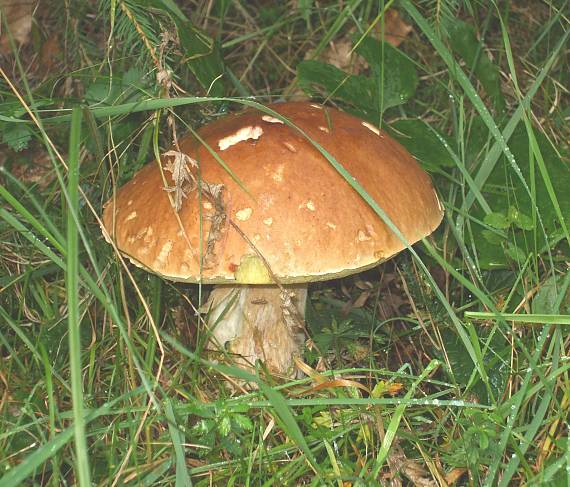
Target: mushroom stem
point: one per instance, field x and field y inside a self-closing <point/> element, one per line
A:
<point x="262" y="323"/>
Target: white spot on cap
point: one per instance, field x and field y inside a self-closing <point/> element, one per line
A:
<point x="184" y="268"/>
<point x="164" y="253"/>
<point x="324" y="129"/>
<point x="144" y="250"/>
<point x="374" y="129"/>
<point x="257" y="237"/>
<point x="129" y="203"/>
<point x="362" y="236"/>
<point x="370" y="230"/>
<point x="277" y="176"/>
<point x="331" y="225"/>
<point x="266" y="200"/>
<point x="148" y="234"/>
<point x="131" y="216"/>
<point x="270" y="119"/>
<point x="290" y="146"/>
<point x="207" y="205"/>
<point x="314" y="105"/>
<point x="145" y="233"/>
<point x="309" y="205"/>
<point x="245" y="133"/>
<point x="244" y="214"/>
<point x="268" y="221"/>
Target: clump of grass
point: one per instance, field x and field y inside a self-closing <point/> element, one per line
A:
<point x="448" y="366"/>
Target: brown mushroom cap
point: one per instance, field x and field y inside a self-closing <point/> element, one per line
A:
<point x="300" y="214"/>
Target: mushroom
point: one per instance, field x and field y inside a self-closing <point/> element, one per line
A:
<point x="281" y="217"/>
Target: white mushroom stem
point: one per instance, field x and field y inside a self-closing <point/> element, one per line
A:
<point x="259" y="323"/>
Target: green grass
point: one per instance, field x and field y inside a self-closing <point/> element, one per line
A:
<point x="449" y="364"/>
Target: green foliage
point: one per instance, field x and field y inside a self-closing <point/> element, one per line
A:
<point x="444" y="374"/>
<point x="17" y="136"/>
<point x="120" y="88"/>
<point x="145" y="25"/>
<point x="199" y="52"/>
<point x="222" y="429"/>
<point x="394" y="74"/>
<point x="333" y="327"/>
<point x="464" y="42"/>
<point x="476" y="444"/>
<point x="426" y="144"/>
<point x="547" y="298"/>
<point x="461" y="369"/>
<point x="513" y="209"/>
<point x="393" y="80"/>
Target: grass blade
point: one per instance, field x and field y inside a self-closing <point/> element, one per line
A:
<point x="537" y="319"/>
<point x="74" y="317"/>
<point x="177" y="437"/>
<point x="397" y="418"/>
<point x="276" y="400"/>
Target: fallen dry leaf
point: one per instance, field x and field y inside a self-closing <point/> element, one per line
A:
<point x="39" y="171"/>
<point x="18" y="14"/>
<point x="50" y="54"/>
<point x="395" y="28"/>
<point x="416" y="473"/>
<point x="340" y="53"/>
<point x="453" y="476"/>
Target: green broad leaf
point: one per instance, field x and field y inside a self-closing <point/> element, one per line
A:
<point x="515" y="253"/>
<point x="497" y="220"/>
<point x="202" y="56"/>
<point x="423" y="142"/>
<point x="478" y="138"/>
<point x="395" y="75"/>
<point x="394" y="80"/>
<point x="16" y="136"/>
<point x="521" y="220"/>
<point x="316" y="76"/>
<point x="544" y="301"/>
<point x="103" y="91"/>
<point x="494" y="360"/>
<point x="483" y="441"/>
<point x="492" y="237"/>
<point x="121" y="87"/>
<point x="463" y="41"/>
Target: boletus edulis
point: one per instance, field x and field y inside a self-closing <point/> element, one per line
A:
<point x="277" y="217"/>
